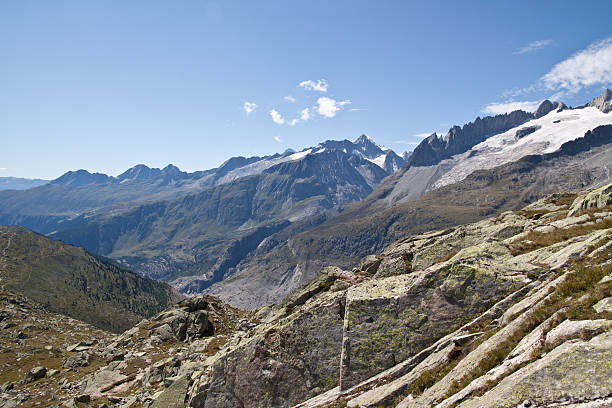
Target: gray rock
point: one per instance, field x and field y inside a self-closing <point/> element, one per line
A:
<point x="52" y="373"/>
<point x="174" y="396"/>
<point x="7" y="386"/>
<point x="84" y="398"/>
<point x="574" y="371"/>
<point x="569" y="329"/>
<point x="603" y="102"/>
<point x="35" y="373"/>
<point x="604" y="305"/>
<point x="545" y="108"/>
<point x="389" y="320"/>
<point x="80" y="359"/>
<point x="522" y="132"/>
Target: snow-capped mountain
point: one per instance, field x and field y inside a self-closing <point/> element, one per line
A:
<point x="440" y="161"/>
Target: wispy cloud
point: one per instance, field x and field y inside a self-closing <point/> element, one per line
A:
<point x="289" y="98"/>
<point x="328" y="107"/>
<point x="591" y="66"/>
<point x="320" y="85"/>
<point x="357" y="109"/>
<point x="588" y="67"/>
<point x="498" y="108"/>
<point x="533" y="46"/>
<point x="305" y="114"/>
<point x="276" y="117"/>
<point x="423" y="135"/>
<point x="249" y="107"/>
<point x="3" y="168"/>
<point x="277" y="139"/>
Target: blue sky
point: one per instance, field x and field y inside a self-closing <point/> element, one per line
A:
<point x="109" y="84"/>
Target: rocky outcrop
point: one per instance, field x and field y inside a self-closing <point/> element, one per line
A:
<point x="597" y="198"/>
<point x="407" y="312"/>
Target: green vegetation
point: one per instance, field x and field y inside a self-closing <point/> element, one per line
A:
<point x="68" y="280"/>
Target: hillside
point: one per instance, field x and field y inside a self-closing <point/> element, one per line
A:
<point x="68" y="280"/>
<point x="511" y="310"/>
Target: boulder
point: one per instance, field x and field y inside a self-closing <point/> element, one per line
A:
<point x="35" y="373"/>
<point x="80" y="359"/>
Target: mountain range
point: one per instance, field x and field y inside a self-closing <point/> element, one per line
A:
<point x="254" y="229"/>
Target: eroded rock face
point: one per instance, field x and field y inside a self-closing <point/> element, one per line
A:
<point x="287" y="363"/>
<point x="389" y="320"/>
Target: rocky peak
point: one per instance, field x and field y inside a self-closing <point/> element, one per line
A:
<point x="140" y="172"/>
<point x="81" y="178"/>
<point x="363" y="140"/>
<point x="603" y="102"/>
<point x="545" y="108"/>
<point x="367" y="146"/>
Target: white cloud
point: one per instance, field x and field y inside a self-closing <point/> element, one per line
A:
<point x="249" y="107"/>
<point x="357" y="109"/>
<point x="289" y="98"/>
<point x="505" y="107"/>
<point x="591" y="66"/>
<point x="3" y="168"/>
<point x="276" y="117"/>
<point x="328" y="106"/>
<point x="320" y="85"/>
<point x="423" y="135"/>
<point x="533" y="46"/>
<point x="277" y="139"/>
<point x="293" y="122"/>
<point x="305" y="114"/>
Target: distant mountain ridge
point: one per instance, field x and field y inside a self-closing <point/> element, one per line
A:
<point x="17" y="183"/>
<point x="168" y="224"/>
<point x="80" y="192"/>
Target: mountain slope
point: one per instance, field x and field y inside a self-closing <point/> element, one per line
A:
<point x="368" y="226"/>
<point x="68" y="280"/>
<point x="512" y="310"/>
<point x="186" y="236"/>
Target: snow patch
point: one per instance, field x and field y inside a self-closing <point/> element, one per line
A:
<point x="379" y="161"/>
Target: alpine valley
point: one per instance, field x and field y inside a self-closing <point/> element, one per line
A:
<point x="475" y="271"/>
